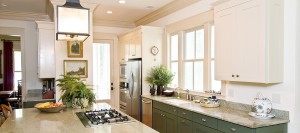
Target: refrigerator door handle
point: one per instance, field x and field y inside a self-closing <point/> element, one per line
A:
<point x="132" y="86"/>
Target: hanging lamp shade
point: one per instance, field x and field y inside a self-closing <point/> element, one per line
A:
<point x="72" y="22"/>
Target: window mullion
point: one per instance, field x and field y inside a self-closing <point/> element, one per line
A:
<point x="207" y="72"/>
<point x="180" y="58"/>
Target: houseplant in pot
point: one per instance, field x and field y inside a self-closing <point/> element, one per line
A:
<point x="75" y="93"/>
<point x="160" y="76"/>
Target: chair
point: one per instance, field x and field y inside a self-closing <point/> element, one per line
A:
<point x="17" y="99"/>
<point x="5" y="109"/>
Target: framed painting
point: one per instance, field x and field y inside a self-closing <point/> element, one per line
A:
<point x="77" y="68"/>
<point x="75" y="49"/>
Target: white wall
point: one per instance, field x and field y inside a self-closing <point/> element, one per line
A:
<point x="297" y="73"/>
<point x="288" y="92"/>
<point x="29" y="46"/>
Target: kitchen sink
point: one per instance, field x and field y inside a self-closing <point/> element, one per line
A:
<point x="177" y="101"/>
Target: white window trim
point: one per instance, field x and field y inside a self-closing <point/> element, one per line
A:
<point x="206" y="61"/>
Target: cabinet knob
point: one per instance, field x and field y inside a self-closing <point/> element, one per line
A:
<point x="232" y="75"/>
<point x="183" y="113"/>
<point x="162" y="115"/>
<point x="204" y="120"/>
<point x="237" y="75"/>
<point x="174" y="110"/>
<point x="233" y="129"/>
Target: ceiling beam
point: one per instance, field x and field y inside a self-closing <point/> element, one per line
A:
<point x="164" y="11"/>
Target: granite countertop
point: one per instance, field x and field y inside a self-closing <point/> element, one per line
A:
<point x="226" y="114"/>
<point x="32" y="120"/>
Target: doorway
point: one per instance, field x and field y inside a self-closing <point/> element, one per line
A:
<point x="11" y="62"/>
<point x="103" y="75"/>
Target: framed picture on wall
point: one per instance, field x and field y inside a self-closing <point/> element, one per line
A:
<point x="75" y="49"/>
<point x="77" y="68"/>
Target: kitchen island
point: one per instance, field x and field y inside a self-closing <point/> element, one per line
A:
<point x="31" y="120"/>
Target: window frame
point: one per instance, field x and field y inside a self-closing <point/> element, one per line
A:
<point x="207" y="82"/>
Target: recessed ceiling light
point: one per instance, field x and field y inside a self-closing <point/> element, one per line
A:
<point x="122" y="1"/>
<point x="3" y="4"/>
<point x="149" y="7"/>
<point x="109" y="12"/>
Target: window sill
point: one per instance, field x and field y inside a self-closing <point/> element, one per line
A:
<point x="201" y="94"/>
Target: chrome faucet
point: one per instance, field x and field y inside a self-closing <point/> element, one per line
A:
<point x="188" y="97"/>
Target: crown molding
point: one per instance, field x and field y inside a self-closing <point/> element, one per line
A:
<point x="112" y="23"/>
<point x="27" y="16"/>
<point x="164" y="11"/>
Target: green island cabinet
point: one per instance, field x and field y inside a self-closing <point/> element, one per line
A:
<point x="171" y="119"/>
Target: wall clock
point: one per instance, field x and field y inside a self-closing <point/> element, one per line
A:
<point x="154" y="50"/>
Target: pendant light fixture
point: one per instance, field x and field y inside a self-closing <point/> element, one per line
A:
<point x="73" y="22"/>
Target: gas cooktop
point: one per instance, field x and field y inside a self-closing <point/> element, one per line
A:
<point x="101" y="117"/>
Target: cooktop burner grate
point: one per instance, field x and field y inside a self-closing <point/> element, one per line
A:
<point x="103" y="116"/>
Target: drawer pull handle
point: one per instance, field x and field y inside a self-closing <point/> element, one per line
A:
<point x="232" y="75"/>
<point x="183" y="113"/>
<point x="162" y="115"/>
<point x="204" y="120"/>
<point x="233" y="129"/>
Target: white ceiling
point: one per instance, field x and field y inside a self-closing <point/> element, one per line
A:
<point x="35" y="6"/>
<point x="126" y="13"/>
<point x="131" y="11"/>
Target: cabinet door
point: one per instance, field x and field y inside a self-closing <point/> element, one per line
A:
<point x="224" y="47"/>
<point x="198" y="128"/>
<point x="184" y="125"/>
<point x="158" y="122"/>
<point x="171" y="123"/>
<point x="250" y="53"/>
<point x="121" y="50"/>
<point x="46" y="53"/>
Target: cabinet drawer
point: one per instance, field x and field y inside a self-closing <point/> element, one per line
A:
<point x="164" y="107"/>
<point x="198" y="128"/>
<point x="185" y="114"/>
<point x="205" y="120"/>
<point x="228" y="127"/>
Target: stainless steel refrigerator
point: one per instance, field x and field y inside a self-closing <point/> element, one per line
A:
<point x="131" y="88"/>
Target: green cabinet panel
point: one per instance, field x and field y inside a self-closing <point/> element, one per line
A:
<point x="158" y="122"/>
<point x="184" y="125"/>
<point x="164" y="122"/>
<point x="185" y="114"/>
<point x="228" y="127"/>
<point x="171" y="123"/>
<point x="282" y="128"/>
<point x="198" y="128"/>
<point x="205" y="120"/>
<point x="165" y="107"/>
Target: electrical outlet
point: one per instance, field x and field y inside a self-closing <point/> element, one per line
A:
<point x="276" y="98"/>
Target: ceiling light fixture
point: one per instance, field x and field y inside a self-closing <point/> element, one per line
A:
<point x="122" y="1"/>
<point x="109" y="12"/>
<point x="73" y="22"/>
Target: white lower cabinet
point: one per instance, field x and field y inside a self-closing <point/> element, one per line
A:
<point x="249" y="41"/>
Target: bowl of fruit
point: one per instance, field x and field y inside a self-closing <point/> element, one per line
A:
<point x="50" y="107"/>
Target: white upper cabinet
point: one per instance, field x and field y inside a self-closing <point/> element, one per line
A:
<point x="46" y="49"/>
<point x="130" y="45"/>
<point x="249" y="41"/>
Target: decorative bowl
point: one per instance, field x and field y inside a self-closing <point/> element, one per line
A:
<point x="168" y="93"/>
<point x="50" y="109"/>
<point x="210" y="105"/>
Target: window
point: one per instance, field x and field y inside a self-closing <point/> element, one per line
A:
<point x="101" y="70"/>
<point x="193" y="58"/>
<point x="17" y="69"/>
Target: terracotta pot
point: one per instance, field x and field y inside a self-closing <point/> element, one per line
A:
<point x="160" y="89"/>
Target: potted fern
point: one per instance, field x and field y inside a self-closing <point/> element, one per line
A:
<point x="75" y="92"/>
<point x="160" y="76"/>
